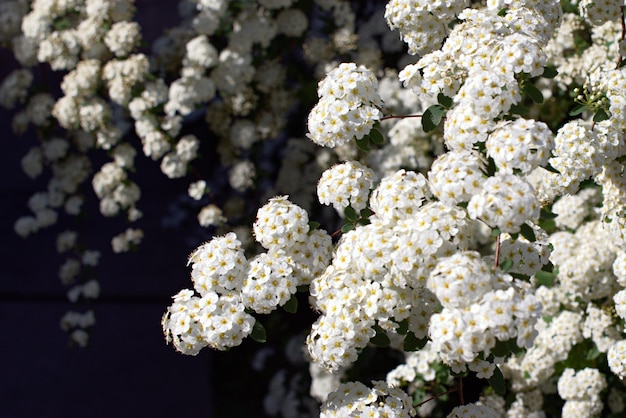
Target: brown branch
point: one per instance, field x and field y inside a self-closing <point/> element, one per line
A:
<point x="619" y="61"/>
<point x="400" y="117"/>
<point x="497" y="261"/>
<point x="439" y="395"/>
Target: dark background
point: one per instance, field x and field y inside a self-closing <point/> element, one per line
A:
<point x="127" y="370"/>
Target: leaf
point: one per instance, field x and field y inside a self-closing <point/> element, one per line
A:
<point x="350" y="214"/>
<point x="258" y="332"/>
<point x="445" y="101"/>
<point x="500" y="349"/>
<point x="528" y="232"/>
<point x="551" y="169"/>
<point x="363" y="144"/>
<point x="376" y="137"/>
<point x="291" y="305"/>
<point x="412" y="343"/>
<point x="495" y="232"/>
<point x="545" y="278"/>
<point x="578" y="110"/>
<point x="403" y="327"/>
<point x="506" y="265"/>
<point x="520" y="276"/>
<point x="533" y="92"/>
<point x="432" y="117"/>
<point x="549" y="72"/>
<point x="496" y="381"/>
<point x="519" y="109"/>
<point x="313" y="225"/>
<point x="502" y="12"/>
<point x="347" y="228"/>
<point x="366" y="213"/>
<point x="380" y="339"/>
<point x="600" y="115"/>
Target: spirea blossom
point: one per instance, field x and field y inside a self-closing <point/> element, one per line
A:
<point x="356" y="399"/>
<point x="506" y="201"/>
<point x="349" y="106"/>
<point x="422" y="24"/>
<point x="456" y="176"/>
<point x="346" y="184"/>
<point x="280" y="223"/>
<point x="522" y="145"/>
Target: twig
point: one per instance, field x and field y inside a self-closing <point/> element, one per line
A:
<point x="497" y="261"/>
<point x="400" y="117"/>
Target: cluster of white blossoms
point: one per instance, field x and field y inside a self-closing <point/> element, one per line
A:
<point x="349" y="106"/>
<point x="346" y="184"/>
<point x="480" y="307"/>
<point x="506" y="202"/>
<point x="355" y="399"/>
<point x="456" y="176"/>
<point x="521" y="144"/>
<point x="581" y="392"/>
<point x="228" y="283"/>
<point x="422" y="24"/>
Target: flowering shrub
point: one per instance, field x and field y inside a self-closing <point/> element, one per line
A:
<point x="478" y="187"/>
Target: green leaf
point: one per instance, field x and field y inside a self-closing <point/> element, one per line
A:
<point x="600" y="116"/>
<point x="496" y="381"/>
<point x="578" y="110"/>
<point x="412" y="343"/>
<point x="380" y="339"/>
<point x="495" y="232"/>
<point x="520" y="276"/>
<point x="291" y="305"/>
<point x="551" y="169"/>
<point x="502" y="12"/>
<point x="528" y="232"/>
<point x="445" y="101"/>
<point x="546" y="214"/>
<point x="347" y="228"/>
<point x="363" y="144"/>
<point x="376" y="137"/>
<point x="506" y="265"/>
<point x="258" y="332"/>
<point x="366" y="213"/>
<point x="519" y="109"/>
<point x="403" y="327"/>
<point x="501" y="349"/>
<point x="545" y="278"/>
<point x="313" y="225"/>
<point x="533" y="92"/>
<point x="432" y="117"/>
<point x="350" y="214"/>
<point x="549" y="72"/>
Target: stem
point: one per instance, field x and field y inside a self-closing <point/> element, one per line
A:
<point x="497" y="261"/>
<point x="619" y="61"/>
<point x="432" y="398"/>
<point x="400" y="117"/>
<point x="458" y="388"/>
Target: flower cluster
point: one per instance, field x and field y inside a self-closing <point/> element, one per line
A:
<point x="348" y="107"/>
<point x="355" y="398"/>
<point x="346" y="184"/>
<point x="228" y="283"/>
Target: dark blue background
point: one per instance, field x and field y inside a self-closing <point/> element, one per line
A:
<point x="127" y="370"/>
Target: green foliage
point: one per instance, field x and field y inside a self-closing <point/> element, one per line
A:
<point x="292" y="304"/>
<point x="496" y="381"/>
<point x="380" y="339"/>
<point x="432" y="117"/>
<point x="258" y="333"/>
<point x="412" y="343"/>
